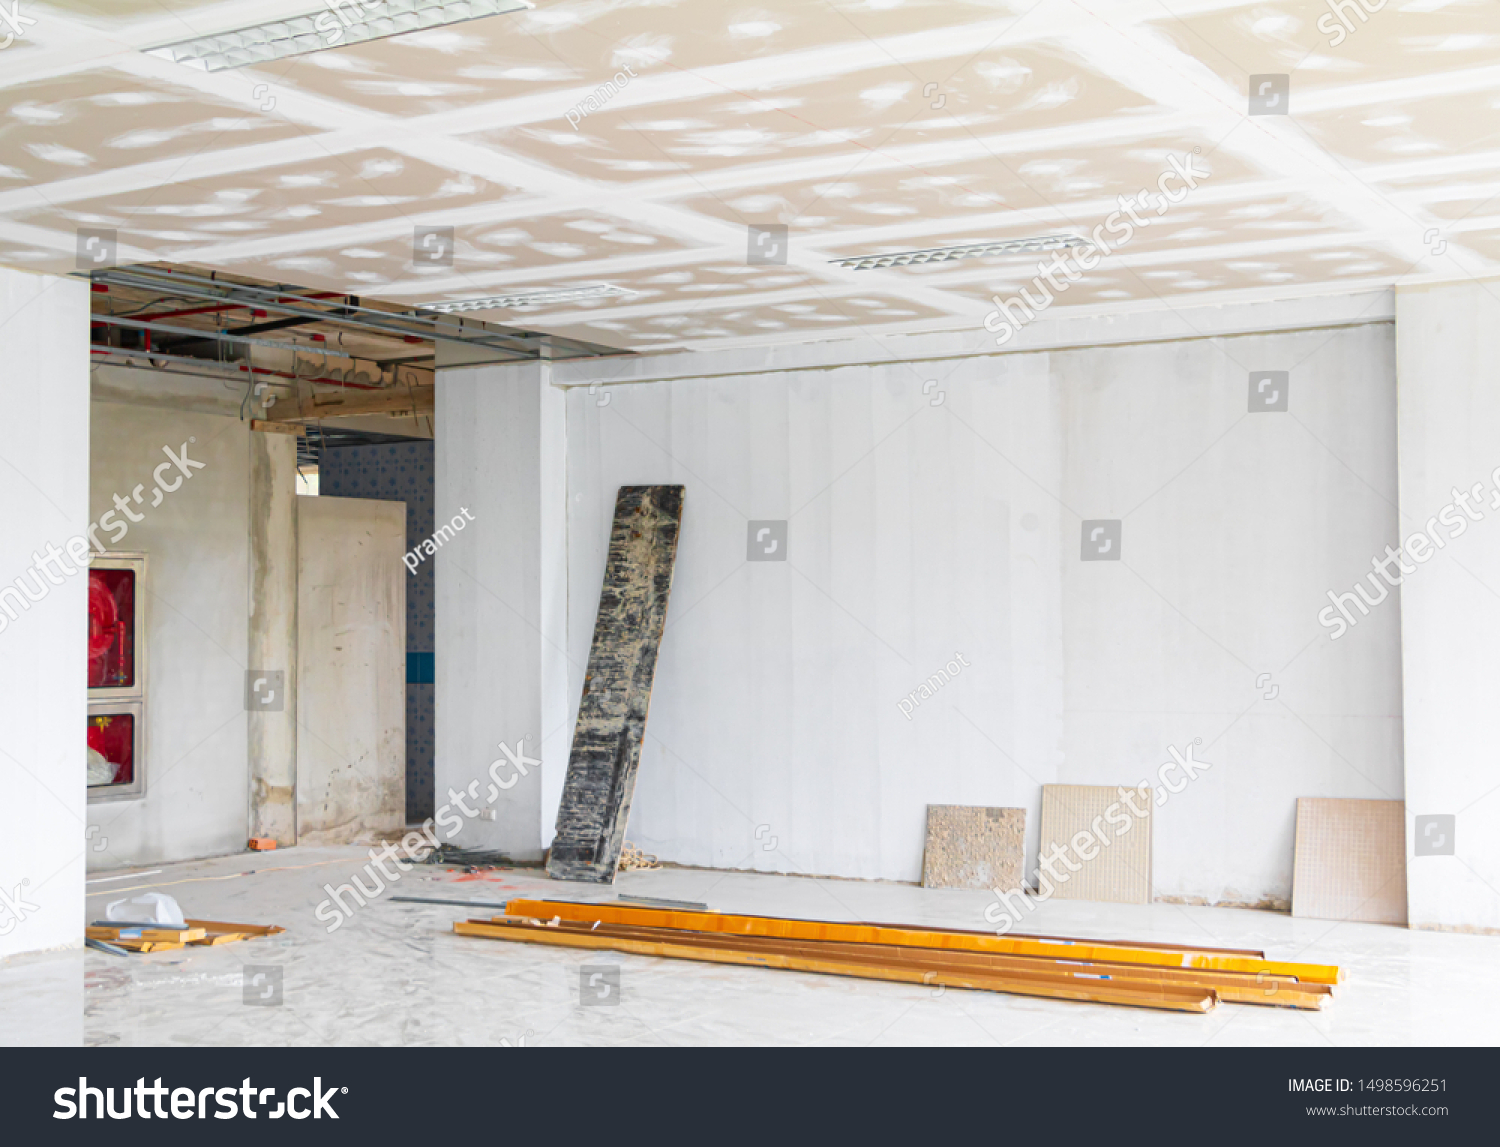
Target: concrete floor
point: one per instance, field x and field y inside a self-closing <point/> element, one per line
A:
<point x="395" y="974"/>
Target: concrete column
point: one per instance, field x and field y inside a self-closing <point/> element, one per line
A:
<point x="1448" y="414"/>
<point x="501" y="590"/>
<point x="44" y="455"/>
<point x="272" y="736"/>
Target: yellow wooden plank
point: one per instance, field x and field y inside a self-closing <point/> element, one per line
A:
<point x="212" y="926"/>
<point x="878" y="934"/>
<point x="1169" y="998"/>
<point x="146" y="945"/>
<point x="1231" y="987"/>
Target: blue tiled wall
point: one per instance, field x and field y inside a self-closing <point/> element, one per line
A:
<point x="401" y="472"/>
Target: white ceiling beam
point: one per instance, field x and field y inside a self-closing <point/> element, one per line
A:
<point x="1274" y="144"/>
<point x="1404" y="91"/>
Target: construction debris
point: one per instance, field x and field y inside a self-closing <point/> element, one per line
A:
<point x="442" y="900"/>
<point x="632" y="859"/>
<point x="470" y="859"/>
<point x="117" y="937"/>
<point x="156" y="907"/>
<point x="1188" y="979"/>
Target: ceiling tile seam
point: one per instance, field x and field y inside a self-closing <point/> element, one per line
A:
<point x="492" y="114"/>
<point x="315" y="233"/>
<point x="535" y="177"/>
<point x="861" y="285"/>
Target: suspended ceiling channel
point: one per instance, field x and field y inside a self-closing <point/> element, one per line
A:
<point x="313" y="310"/>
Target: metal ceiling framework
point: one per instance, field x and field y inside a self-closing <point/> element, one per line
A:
<point x="297" y="304"/>
<point x="134" y="304"/>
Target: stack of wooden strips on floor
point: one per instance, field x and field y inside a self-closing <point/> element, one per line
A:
<point x="198" y="934"/>
<point x="1102" y="971"/>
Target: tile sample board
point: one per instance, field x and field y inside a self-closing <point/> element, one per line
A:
<point x="974" y="847"/>
<point x="1119" y="871"/>
<point x="1351" y="860"/>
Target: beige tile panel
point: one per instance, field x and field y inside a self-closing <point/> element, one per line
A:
<point x="1351" y="860"/>
<point x="1120" y="869"/>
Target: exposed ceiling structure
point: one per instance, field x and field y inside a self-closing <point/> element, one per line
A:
<point x="865" y="127"/>
<point x="316" y="356"/>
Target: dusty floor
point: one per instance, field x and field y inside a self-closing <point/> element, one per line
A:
<point x="395" y="974"/>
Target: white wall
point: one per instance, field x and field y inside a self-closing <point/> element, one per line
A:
<point x="500" y="594"/>
<point x="44" y="456"/>
<point x="776" y="692"/>
<point x="1235" y="526"/>
<point x="1448" y="343"/>
<point x="197" y="780"/>
<point x="921" y="531"/>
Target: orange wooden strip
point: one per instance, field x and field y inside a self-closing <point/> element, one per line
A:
<point x="213" y="926"/>
<point x="1170" y="998"/>
<point x="791" y="929"/>
<point x="1230" y="987"/>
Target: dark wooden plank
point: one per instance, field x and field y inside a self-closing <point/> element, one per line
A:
<point x="617" y="685"/>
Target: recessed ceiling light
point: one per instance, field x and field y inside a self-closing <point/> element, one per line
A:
<point x="536" y="298"/>
<point x="342" y="22"/>
<point x="965" y="251"/>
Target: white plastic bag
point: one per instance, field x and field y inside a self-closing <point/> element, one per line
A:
<point x="147" y="908"/>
